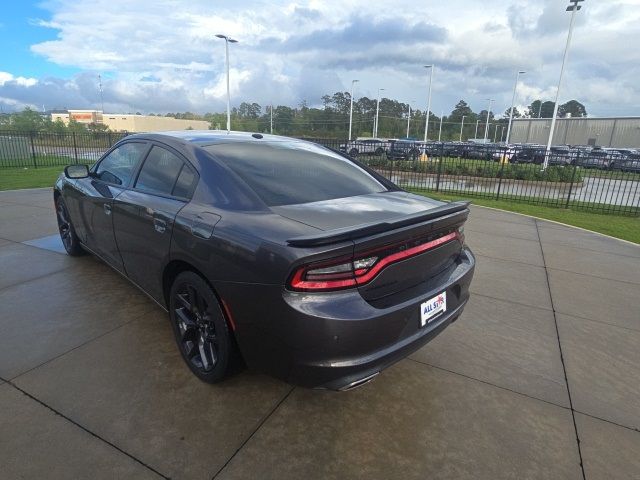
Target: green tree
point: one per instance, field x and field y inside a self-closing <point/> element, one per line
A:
<point x="572" y="108"/>
<point x="27" y="121"/>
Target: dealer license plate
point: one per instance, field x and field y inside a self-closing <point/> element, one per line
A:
<point x="432" y="308"/>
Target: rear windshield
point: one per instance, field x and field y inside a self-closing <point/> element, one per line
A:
<point x="288" y="173"/>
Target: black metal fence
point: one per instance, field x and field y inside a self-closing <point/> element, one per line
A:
<point x="595" y="180"/>
<point x="40" y="149"/>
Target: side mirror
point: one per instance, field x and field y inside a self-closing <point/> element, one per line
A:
<point x="76" y="171"/>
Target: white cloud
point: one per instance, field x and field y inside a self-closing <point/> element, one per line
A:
<point x="292" y="51"/>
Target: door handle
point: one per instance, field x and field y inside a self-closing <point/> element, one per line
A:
<point x="107" y="208"/>
<point x="159" y="225"/>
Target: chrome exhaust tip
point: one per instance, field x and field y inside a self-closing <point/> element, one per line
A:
<point x="358" y="383"/>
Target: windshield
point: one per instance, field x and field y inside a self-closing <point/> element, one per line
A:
<point x="288" y="173"/>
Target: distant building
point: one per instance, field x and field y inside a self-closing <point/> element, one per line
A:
<point x="130" y="123"/>
<point x="619" y="132"/>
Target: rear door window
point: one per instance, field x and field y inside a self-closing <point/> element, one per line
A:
<point x="288" y="173"/>
<point x="159" y="172"/>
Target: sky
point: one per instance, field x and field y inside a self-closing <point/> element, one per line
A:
<point x="162" y="55"/>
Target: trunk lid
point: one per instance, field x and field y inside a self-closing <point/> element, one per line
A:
<point x="408" y="240"/>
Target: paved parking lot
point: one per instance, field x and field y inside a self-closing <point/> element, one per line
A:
<point x="540" y="377"/>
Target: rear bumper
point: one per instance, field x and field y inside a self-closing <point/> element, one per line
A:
<point x="331" y="340"/>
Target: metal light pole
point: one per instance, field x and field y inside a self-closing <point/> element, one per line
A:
<point x="495" y="132"/>
<point x="408" y="120"/>
<point x="353" y="82"/>
<point x="462" y="126"/>
<point x="573" y="8"/>
<point x="513" y="100"/>
<point x="440" y="131"/>
<point x="475" y="135"/>
<point x="426" y="124"/>
<point x="271" y="122"/>
<point x="375" y="130"/>
<point x="486" y="124"/>
<point x="227" y="40"/>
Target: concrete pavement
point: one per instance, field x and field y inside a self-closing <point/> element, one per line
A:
<point x="540" y="377"/>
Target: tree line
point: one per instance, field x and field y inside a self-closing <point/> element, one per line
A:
<point x="331" y="119"/>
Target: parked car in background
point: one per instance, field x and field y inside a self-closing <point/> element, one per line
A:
<point x="405" y="150"/>
<point x="596" y="158"/>
<point x="478" y="151"/>
<point x="529" y="154"/>
<point x="627" y="163"/>
<point x="283" y="253"/>
<point x="370" y="146"/>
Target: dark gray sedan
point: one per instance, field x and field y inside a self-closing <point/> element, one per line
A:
<point x="275" y="252"/>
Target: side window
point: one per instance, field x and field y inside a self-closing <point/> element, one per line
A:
<point x="159" y="172"/>
<point x="185" y="183"/>
<point x="118" y="166"/>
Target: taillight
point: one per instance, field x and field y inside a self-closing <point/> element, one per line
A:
<point x="343" y="273"/>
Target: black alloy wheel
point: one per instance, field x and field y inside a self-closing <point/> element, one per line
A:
<point x="200" y="328"/>
<point x="353" y="152"/>
<point x="68" y="235"/>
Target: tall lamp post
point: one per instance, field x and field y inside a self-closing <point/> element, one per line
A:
<point x="462" y="126"/>
<point x="426" y="124"/>
<point x="573" y="8"/>
<point x="353" y="82"/>
<point x="513" y="100"/>
<point x="375" y="125"/>
<point x="440" y="131"/>
<point x="486" y="124"/>
<point x="475" y="135"/>
<point x="227" y="41"/>
<point x="409" y="120"/>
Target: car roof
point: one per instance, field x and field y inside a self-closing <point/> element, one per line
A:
<point x="212" y="137"/>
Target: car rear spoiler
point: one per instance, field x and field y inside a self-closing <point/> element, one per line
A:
<point x="359" y="231"/>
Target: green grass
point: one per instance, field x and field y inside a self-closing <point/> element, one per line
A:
<point x="625" y="227"/>
<point x="15" y="178"/>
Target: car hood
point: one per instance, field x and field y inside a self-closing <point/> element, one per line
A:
<point x="357" y="210"/>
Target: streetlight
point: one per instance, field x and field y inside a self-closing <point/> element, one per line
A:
<point x="375" y="125"/>
<point x="440" y="131"/>
<point x="353" y="82"/>
<point x="227" y="40"/>
<point x="409" y="119"/>
<point x="271" y="120"/>
<point x="462" y="126"/>
<point x="513" y="100"/>
<point x="426" y="125"/>
<point x="573" y="8"/>
<point x="486" y="125"/>
<point x="475" y="135"/>
<point x="495" y="132"/>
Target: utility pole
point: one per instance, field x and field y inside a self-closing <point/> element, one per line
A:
<point x="461" y="127"/>
<point x="573" y="8"/>
<point x="353" y="82"/>
<point x="513" y="100"/>
<point x="486" y="125"/>
<point x="426" y="124"/>
<point x="227" y="40"/>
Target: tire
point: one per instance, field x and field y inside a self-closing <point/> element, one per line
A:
<point x="413" y="154"/>
<point x="70" y="240"/>
<point x="379" y="151"/>
<point x="200" y="328"/>
<point x="353" y="152"/>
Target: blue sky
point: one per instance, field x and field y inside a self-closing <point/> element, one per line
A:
<point x="18" y="31"/>
<point x="161" y="55"/>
